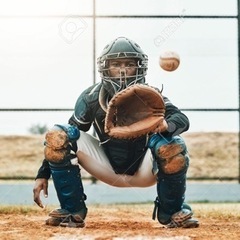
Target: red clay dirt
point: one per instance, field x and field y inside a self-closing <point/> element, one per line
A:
<point x="105" y="222"/>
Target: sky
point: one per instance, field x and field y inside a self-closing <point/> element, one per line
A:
<point x="46" y="56"/>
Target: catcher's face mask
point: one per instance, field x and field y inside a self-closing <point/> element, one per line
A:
<point x="122" y="73"/>
<point x="121" y="64"/>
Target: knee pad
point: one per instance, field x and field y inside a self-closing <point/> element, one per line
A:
<point x="170" y="153"/>
<point x="61" y="142"/>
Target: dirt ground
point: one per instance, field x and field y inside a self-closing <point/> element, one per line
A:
<point x="116" y="222"/>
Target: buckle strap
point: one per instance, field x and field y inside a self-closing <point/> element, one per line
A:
<point x="156" y="206"/>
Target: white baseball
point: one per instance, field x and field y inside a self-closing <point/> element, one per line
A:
<point x="169" y="61"/>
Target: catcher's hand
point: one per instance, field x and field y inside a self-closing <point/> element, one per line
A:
<point x="135" y="111"/>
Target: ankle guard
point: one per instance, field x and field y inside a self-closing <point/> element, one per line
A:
<point x="164" y="218"/>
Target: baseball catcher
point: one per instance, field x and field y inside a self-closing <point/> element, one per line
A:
<point x="138" y="142"/>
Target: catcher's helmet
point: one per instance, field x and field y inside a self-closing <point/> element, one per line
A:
<point x="122" y="48"/>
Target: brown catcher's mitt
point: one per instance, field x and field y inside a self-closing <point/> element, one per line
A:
<point x="135" y="111"/>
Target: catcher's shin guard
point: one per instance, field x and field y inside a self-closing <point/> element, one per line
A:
<point x="69" y="188"/>
<point x="172" y="159"/>
<point x="171" y="194"/>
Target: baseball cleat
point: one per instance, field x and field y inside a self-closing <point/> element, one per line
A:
<point x="183" y="219"/>
<point x="63" y="218"/>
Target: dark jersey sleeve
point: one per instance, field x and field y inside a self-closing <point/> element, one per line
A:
<point x="81" y="116"/>
<point x="44" y="170"/>
<point x="177" y="121"/>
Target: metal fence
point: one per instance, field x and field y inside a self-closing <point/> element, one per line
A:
<point x="95" y="17"/>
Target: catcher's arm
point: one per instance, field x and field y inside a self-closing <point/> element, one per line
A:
<point x="162" y="127"/>
<point x="177" y="121"/>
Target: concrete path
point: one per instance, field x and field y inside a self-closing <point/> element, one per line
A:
<point x="20" y="193"/>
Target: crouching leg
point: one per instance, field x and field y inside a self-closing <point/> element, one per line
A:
<point x="172" y="159"/>
<point x="66" y="178"/>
